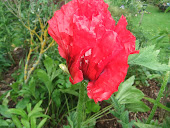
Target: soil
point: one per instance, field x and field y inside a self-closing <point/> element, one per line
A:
<point x="7" y="78"/>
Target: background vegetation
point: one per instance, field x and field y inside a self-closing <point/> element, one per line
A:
<point x="39" y="93"/>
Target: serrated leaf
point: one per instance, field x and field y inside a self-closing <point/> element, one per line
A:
<point x="33" y="122"/>
<point x="137" y="107"/>
<point x="35" y="111"/>
<point x="56" y="97"/>
<point x="116" y="114"/>
<point x="42" y="75"/>
<point x="70" y="121"/>
<point x="124" y="87"/>
<point x="48" y="63"/>
<point x="148" y="57"/>
<point x="18" y="111"/>
<point x="16" y="121"/>
<point x="37" y="115"/>
<point x="125" y="117"/>
<point x="142" y="125"/>
<point x="128" y="96"/>
<point x="25" y="123"/>
<point x="38" y="104"/>
<point x="29" y="107"/>
<point x="42" y="123"/>
<point x="32" y="86"/>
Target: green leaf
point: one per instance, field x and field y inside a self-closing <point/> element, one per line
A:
<point x="45" y="79"/>
<point x="38" y="114"/>
<point x="36" y="109"/>
<point x="3" y="122"/>
<point x="70" y="121"/>
<point x="56" y="97"/>
<point x="48" y="63"/>
<point x="72" y="92"/>
<point x="42" y="123"/>
<point x="4" y="111"/>
<point x="128" y="96"/>
<point x="18" y="111"/>
<point x="32" y="87"/>
<point x="38" y="104"/>
<point x="153" y="76"/>
<point x="6" y="100"/>
<point x="33" y="122"/>
<point x="142" y="125"/>
<point x="15" y="86"/>
<point x="168" y="9"/>
<point x="29" y="107"/>
<point x="147" y="57"/>
<point x="159" y="104"/>
<point x="66" y="126"/>
<point x="125" y="86"/>
<point x="25" y="123"/>
<point x="124" y="117"/>
<point x="91" y="106"/>
<point x="137" y="107"/>
<point x="16" y="121"/>
<point x="23" y="103"/>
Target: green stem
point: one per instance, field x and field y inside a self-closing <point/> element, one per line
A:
<point x="80" y="105"/>
<point x="158" y="97"/>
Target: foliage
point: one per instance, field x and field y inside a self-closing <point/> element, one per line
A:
<point x="162" y="42"/>
<point x="22" y="118"/>
<point x="126" y="95"/>
<point x="48" y="88"/>
<point x="148" y="58"/>
<point x="11" y="35"/>
<point x="124" y="99"/>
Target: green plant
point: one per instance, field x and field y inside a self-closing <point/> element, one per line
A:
<point x="29" y="118"/>
<point x="12" y="35"/>
<point x="161" y="42"/>
<point x="38" y="30"/>
<point x="45" y="84"/>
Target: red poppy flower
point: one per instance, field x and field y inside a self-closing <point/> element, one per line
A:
<point x="94" y="47"/>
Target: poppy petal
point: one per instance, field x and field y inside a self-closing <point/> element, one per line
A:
<point x="108" y="81"/>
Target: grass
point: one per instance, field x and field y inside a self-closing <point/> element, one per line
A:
<point x="154" y="22"/>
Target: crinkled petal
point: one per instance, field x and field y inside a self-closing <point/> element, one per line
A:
<point x="108" y="81"/>
<point x="94" y="48"/>
<point x="125" y="37"/>
<point x="61" y="27"/>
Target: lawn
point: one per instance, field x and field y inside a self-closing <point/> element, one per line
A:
<point x="154" y="22"/>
